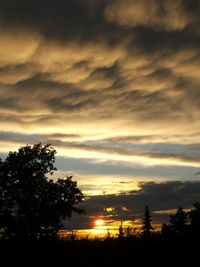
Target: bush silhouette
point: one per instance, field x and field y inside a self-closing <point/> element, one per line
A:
<point x="31" y="204"/>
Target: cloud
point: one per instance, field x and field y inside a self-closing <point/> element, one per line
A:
<point x="15" y="74"/>
<point x="162" y="198"/>
<point x="98" y="78"/>
<point x="17" y="46"/>
<point x="29" y="138"/>
<point x="146" y="155"/>
<point x="151" y="139"/>
<point x="118" y="66"/>
<point x="168" y="15"/>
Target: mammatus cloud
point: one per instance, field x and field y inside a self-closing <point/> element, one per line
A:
<point x="161" y="15"/>
<point x="112" y="81"/>
<point x="17" y="47"/>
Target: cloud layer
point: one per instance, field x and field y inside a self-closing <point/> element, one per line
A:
<point x="103" y="81"/>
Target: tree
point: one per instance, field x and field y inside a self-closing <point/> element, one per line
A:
<point x="146" y="226"/>
<point x="31" y="204"/>
<point x="195" y="218"/>
<point x="178" y="221"/>
<point x="166" y="230"/>
<point x="121" y="231"/>
<point x="130" y="232"/>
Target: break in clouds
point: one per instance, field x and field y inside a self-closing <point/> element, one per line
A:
<point x="104" y="81"/>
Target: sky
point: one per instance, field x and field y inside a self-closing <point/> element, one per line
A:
<point x="114" y="86"/>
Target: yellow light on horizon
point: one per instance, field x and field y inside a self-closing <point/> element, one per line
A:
<point x="99" y="222"/>
<point x="109" y="209"/>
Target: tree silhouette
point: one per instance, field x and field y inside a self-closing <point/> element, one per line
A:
<point x="166" y="230"/>
<point x="195" y="218"/>
<point x="121" y="231"/>
<point x="31" y="204"/>
<point x="130" y="231"/>
<point x="147" y="227"/>
<point x="178" y="221"/>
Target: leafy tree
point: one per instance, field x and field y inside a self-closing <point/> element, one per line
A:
<point x="31" y="204"/>
<point x="147" y="227"/>
<point x="178" y="221"/>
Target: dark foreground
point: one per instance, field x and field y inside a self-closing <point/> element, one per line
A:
<point x="111" y="252"/>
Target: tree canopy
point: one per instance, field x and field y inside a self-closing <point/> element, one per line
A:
<point x="31" y="204"/>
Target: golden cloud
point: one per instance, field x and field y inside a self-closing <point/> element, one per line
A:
<point x="169" y="15"/>
<point x="73" y="63"/>
<point x="17" y="46"/>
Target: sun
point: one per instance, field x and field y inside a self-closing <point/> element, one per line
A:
<point x="99" y="222"/>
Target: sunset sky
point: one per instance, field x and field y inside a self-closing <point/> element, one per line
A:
<point x="114" y="86"/>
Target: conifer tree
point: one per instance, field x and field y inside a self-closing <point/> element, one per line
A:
<point x="147" y="227"/>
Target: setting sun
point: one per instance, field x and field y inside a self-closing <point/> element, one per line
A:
<point x="99" y="222"/>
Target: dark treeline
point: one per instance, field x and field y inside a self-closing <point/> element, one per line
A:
<point x="181" y="224"/>
<point x="32" y="207"/>
<point x="156" y="250"/>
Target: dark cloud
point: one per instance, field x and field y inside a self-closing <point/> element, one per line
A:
<point x="31" y="138"/>
<point x="162" y="198"/>
<point x="63" y="19"/>
<point x="163" y="43"/>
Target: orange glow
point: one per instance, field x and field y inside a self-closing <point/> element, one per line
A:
<point x="99" y="222"/>
<point x="102" y="227"/>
